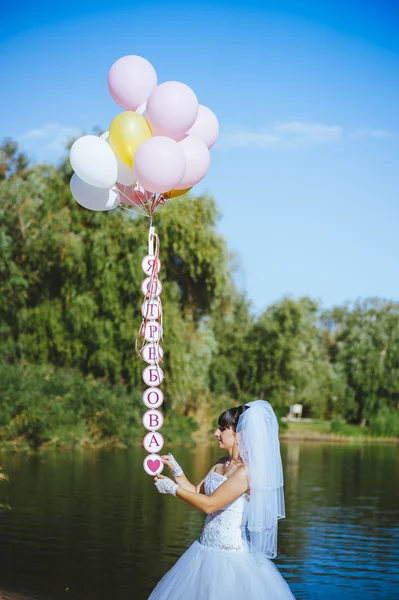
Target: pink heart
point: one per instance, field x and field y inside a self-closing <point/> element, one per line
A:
<point x="153" y="465"/>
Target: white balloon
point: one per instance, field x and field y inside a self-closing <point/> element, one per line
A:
<point x="93" y="197"/>
<point x="142" y="108"/>
<point x="94" y="161"/>
<point x="125" y="175"/>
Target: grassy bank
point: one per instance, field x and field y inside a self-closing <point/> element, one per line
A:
<point x="334" y="431"/>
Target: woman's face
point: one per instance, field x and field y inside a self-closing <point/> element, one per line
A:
<point x="226" y="437"/>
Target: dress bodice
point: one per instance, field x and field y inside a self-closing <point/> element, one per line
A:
<point x="222" y="529"/>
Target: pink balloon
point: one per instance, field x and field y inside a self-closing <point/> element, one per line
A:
<point x="198" y="159"/>
<point x="142" y="110"/>
<point x="206" y="126"/>
<point x="159" y="164"/>
<point x="130" y="195"/>
<point x="172" y="108"/>
<point x="131" y="80"/>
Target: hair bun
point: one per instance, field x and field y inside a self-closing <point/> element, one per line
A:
<point x="229" y="418"/>
<point x="240" y="410"/>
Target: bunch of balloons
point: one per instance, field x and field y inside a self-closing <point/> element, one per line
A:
<point x="158" y="148"/>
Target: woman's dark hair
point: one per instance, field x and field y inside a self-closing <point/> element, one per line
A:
<point x="229" y="418"/>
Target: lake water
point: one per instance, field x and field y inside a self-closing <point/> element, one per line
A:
<point x="91" y="526"/>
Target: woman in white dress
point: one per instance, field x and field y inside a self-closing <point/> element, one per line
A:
<point x="243" y="498"/>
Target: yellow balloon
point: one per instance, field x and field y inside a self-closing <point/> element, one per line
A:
<point x="128" y="130"/>
<point x="176" y="193"/>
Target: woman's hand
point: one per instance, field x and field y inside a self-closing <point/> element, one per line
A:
<point x="165" y="485"/>
<point x="172" y="464"/>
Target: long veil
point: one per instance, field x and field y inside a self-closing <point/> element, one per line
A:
<point x="259" y="447"/>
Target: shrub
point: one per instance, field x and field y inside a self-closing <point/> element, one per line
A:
<point x="385" y="423"/>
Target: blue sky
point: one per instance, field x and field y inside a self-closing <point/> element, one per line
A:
<point x="306" y="169"/>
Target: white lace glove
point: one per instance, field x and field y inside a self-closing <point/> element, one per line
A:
<point x="166" y="486"/>
<point x="176" y="470"/>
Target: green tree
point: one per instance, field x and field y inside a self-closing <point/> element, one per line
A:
<point x="12" y="161"/>
<point x="284" y="348"/>
<point x="366" y="353"/>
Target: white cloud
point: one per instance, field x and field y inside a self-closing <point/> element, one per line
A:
<point x="368" y="132"/>
<point x="283" y="135"/>
<point x="49" y="141"/>
<point x="301" y="133"/>
<point x="243" y="138"/>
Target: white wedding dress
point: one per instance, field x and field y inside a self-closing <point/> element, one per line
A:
<point x="219" y="565"/>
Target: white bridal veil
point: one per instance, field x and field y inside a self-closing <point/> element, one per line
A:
<point x="259" y="447"/>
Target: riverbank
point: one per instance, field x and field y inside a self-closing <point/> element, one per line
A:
<point x="330" y="431"/>
<point x="309" y="430"/>
<point x="320" y="437"/>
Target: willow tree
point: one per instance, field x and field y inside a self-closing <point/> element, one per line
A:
<point x="70" y="283"/>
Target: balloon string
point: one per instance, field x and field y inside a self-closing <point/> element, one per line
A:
<point x="142" y="212"/>
<point x="133" y="210"/>
<point x="150" y="203"/>
<point x="149" y="206"/>
<point x="152" y="286"/>
<point x="154" y="280"/>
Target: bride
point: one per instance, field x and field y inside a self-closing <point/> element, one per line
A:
<point x="243" y="498"/>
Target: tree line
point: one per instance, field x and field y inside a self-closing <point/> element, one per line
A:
<point x="70" y="300"/>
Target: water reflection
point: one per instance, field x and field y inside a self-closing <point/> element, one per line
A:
<point x="91" y="525"/>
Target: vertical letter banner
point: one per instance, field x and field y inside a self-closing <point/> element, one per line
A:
<point x="150" y="351"/>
